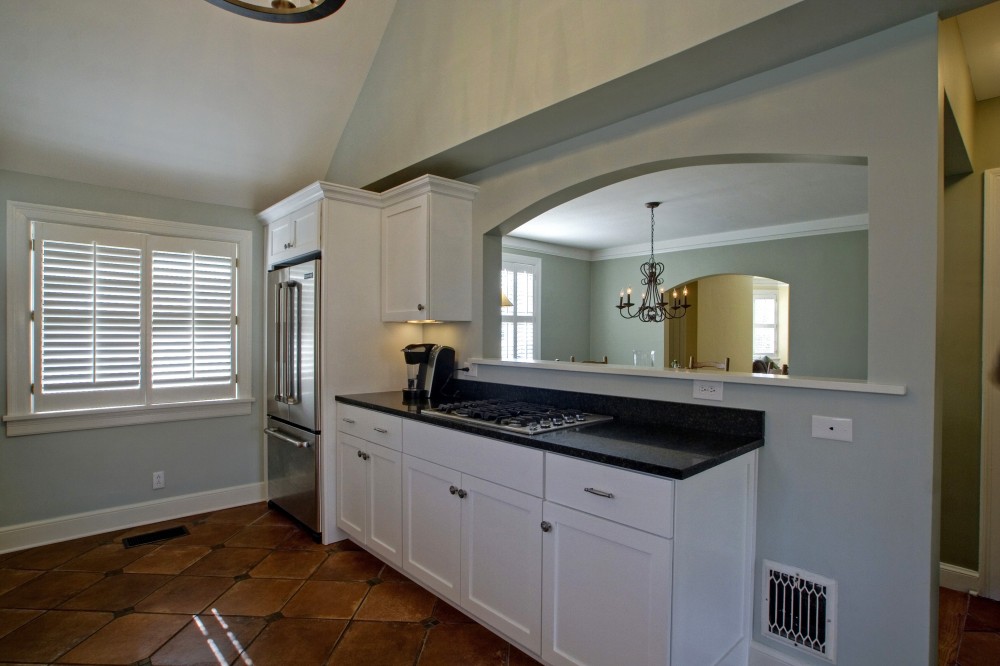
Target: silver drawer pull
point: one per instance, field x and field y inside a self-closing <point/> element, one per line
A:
<point x="347" y="420"/>
<point x="599" y="493"/>
<point x="381" y="430"/>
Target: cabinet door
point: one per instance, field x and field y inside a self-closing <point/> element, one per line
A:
<point x="352" y="482"/>
<point x="404" y="260"/>
<point x="294" y="235"/>
<point x="502" y="559"/>
<point x="605" y="592"/>
<point x="432" y="517"/>
<point x="385" y="517"/>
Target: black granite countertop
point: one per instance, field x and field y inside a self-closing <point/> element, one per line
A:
<point x="674" y="440"/>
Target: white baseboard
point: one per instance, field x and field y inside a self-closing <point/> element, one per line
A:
<point x="957" y="578"/>
<point x="41" y="532"/>
<point x="762" y="655"/>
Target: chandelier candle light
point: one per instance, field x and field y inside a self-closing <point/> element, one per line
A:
<point x="656" y="306"/>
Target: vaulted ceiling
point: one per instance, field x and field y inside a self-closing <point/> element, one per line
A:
<point x="185" y="100"/>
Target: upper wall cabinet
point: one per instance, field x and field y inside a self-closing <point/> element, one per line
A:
<point x="294" y="235"/>
<point x="427" y="251"/>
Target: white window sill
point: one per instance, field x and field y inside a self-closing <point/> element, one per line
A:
<point x="85" y="419"/>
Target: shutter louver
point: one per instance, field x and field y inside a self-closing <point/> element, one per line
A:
<point x="91" y="325"/>
<point x="193" y="319"/>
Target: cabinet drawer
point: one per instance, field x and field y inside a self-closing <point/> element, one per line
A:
<point x="504" y="463"/>
<point x="642" y="501"/>
<point x="371" y="426"/>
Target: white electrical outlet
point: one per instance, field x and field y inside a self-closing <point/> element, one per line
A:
<point x="828" y="427"/>
<point x="473" y="369"/>
<point x="159" y="480"/>
<point x="707" y="390"/>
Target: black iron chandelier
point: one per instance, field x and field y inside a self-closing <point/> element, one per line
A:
<point x="656" y="306"/>
<point x="281" y="11"/>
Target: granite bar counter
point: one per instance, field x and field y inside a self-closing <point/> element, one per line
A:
<point x="668" y="439"/>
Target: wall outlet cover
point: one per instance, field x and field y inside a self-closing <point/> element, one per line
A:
<point x="707" y="390"/>
<point x="159" y="480"/>
<point x="829" y="427"/>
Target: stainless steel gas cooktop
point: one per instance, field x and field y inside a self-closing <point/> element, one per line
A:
<point x="524" y="418"/>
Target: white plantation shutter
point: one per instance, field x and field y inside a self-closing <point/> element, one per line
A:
<point x="519" y="277"/>
<point x="127" y="319"/>
<point x="88" y="318"/>
<point x="193" y="331"/>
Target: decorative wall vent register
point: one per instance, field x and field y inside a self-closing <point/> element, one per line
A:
<point x="800" y="609"/>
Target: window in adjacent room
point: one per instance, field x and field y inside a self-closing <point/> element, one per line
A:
<point x="124" y="320"/>
<point x="765" y="323"/>
<point x="520" y="286"/>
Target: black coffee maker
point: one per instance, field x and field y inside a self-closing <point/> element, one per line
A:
<point x="428" y="368"/>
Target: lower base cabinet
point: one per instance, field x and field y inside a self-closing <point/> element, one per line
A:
<point x="369" y="483"/>
<point x="476" y="544"/>
<point x="606" y="567"/>
<point x="606" y="592"/>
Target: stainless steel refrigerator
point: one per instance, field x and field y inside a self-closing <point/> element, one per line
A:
<point x="293" y="392"/>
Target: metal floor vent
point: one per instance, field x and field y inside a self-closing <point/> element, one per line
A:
<point x="152" y="537"/>
<point x="800" y="609"/>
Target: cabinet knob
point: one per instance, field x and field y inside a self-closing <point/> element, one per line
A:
<point x="452" y="490"/>
<point x="360" y="454"/>
<point x="546" y="526"/>
<point x="365" y="456"/>
<point x="462" y="493"/>
<point x="420" y="307"/>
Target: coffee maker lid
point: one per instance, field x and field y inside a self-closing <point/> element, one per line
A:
<point x="418" y="352"/>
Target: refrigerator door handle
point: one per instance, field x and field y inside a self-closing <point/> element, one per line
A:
<point x="300" y="444"/>
<point x="280" y="343"/>
<point x="294" y="346"/>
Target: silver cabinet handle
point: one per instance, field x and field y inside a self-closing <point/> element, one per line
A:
<point x="347" y="420"/>
<point x="452" y="490"/>
<point x="462" y="494"/>
<point x="420" y="307"/>
<point x="599" y="493"/>
<point x="299" y="444"/>
<point x="546" y="526"/>
<point x="381" y="430"/>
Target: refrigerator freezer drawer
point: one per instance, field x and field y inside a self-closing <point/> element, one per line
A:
<point x="292" y="471"/>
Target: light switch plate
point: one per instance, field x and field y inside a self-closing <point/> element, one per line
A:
<point x="828" y="427"/>
<point x="707" y="390"/>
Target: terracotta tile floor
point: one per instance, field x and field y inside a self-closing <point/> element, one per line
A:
<point x="968" y="630"/>
<point x="246" y="586"/>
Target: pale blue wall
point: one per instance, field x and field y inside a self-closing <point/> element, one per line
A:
<point x="828" y="298"/>
<point x="59" y="474"/>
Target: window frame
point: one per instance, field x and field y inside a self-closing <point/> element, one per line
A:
<point x="536" y="315"/>
<point x="20" y="419"/>
<point x="760" y="293"/>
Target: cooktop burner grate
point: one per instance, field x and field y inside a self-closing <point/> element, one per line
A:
<point x="525" y="418"/>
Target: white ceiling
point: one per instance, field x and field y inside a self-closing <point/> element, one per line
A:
<point x="179" y="98"/>
<point x="182" y="99"/>
<point x="719" y="200"/>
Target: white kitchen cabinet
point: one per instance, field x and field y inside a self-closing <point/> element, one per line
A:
<point x="606" y="592"/>
<point x="369" y="482"/>
<point x="427" y="251"/>
<point x="475" y="541"/>
<point x="294" y="235"/>
<point x="432" y="526"/>
<point x="639" y="569"/>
